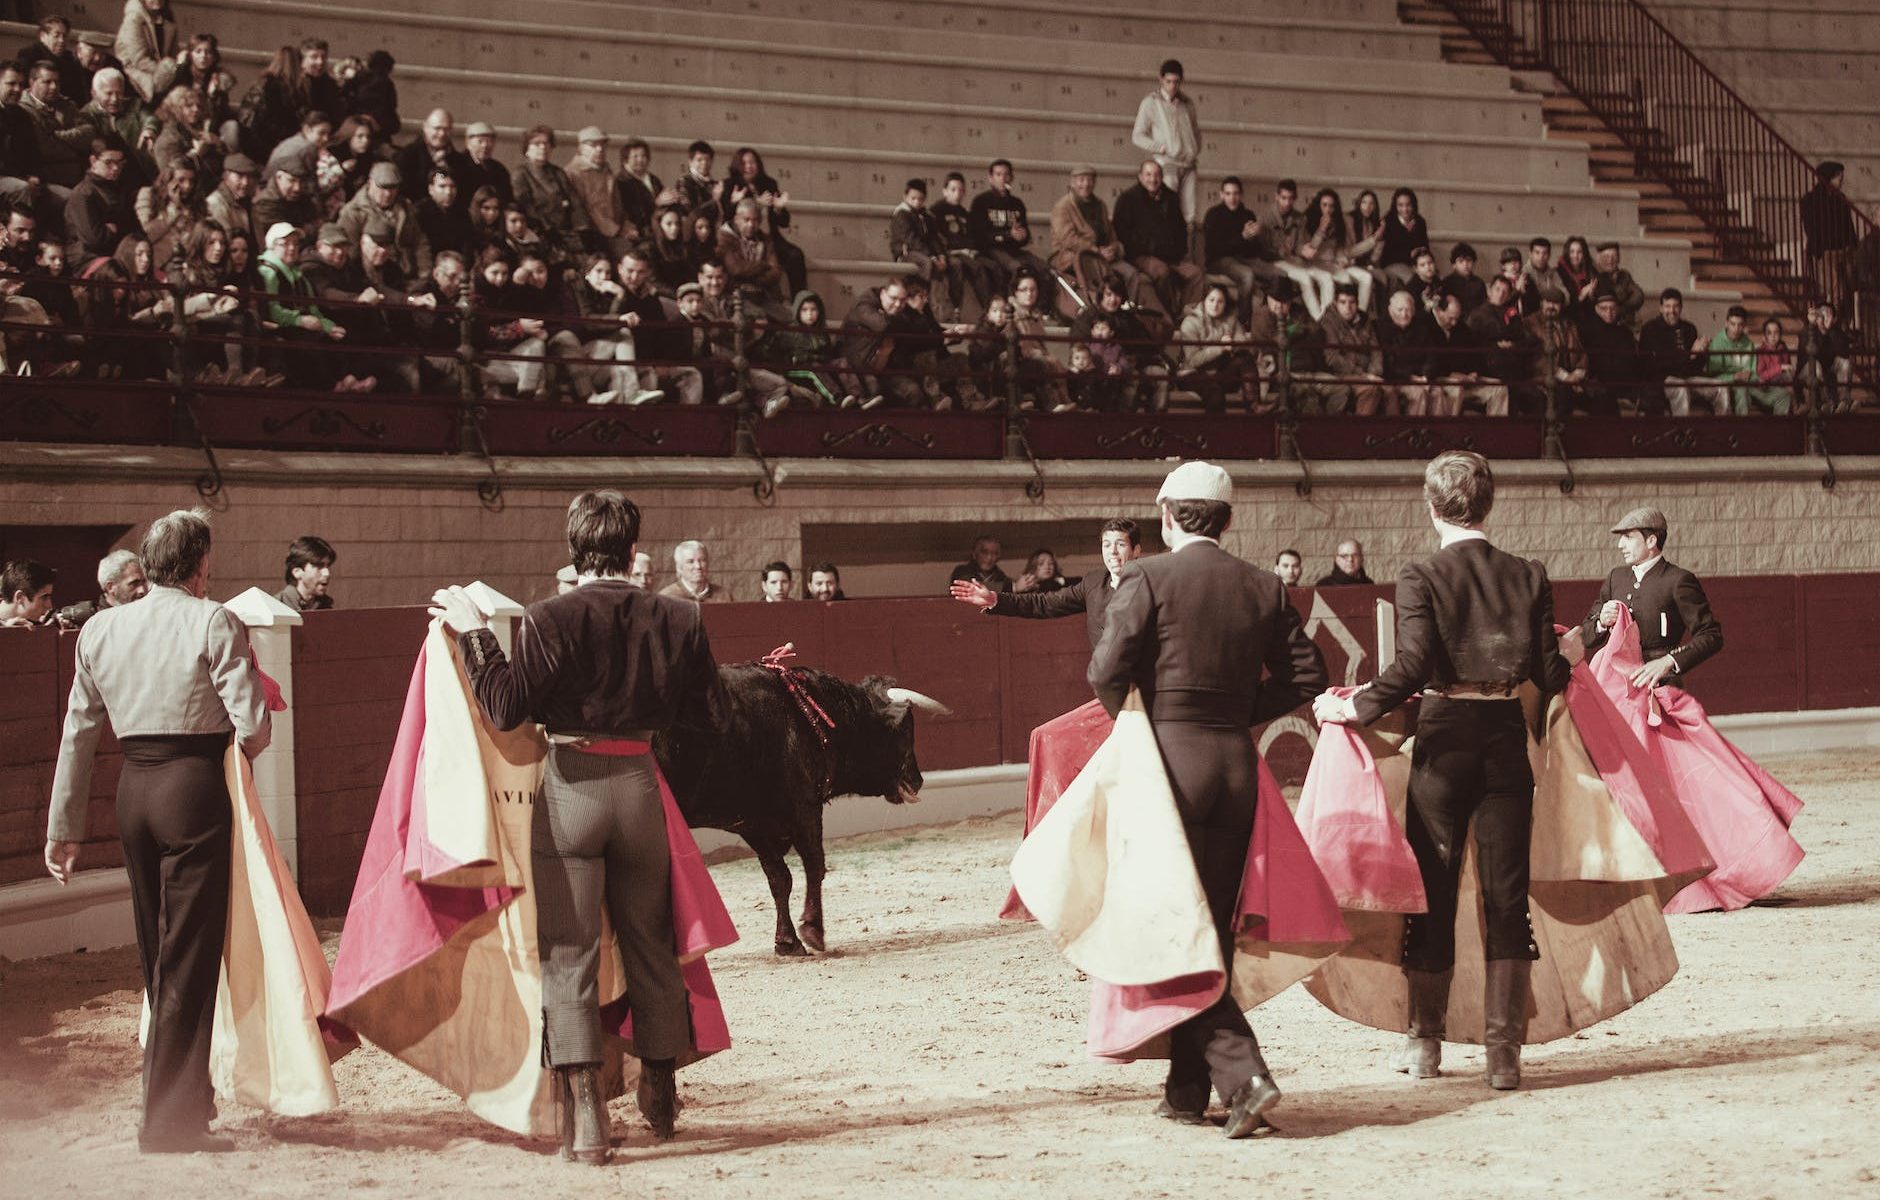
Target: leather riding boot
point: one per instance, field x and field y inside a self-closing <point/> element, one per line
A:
<point x="1247" y="1106"/>
<point x="658" y="1096"/>
<point x="1504" y="1020"/>
<point x="1422" y="1053"/>
<point x="588" y="1141"/>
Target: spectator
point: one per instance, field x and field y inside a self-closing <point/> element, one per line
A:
<point x="380" y="200"/>
<point x="1231" y="244"/>
<point x="1514" y="269"/>
<point x="1286" y="335"/>
<point x="611" y="378"/>
<point x="641" y="574"/>
<point x="518" y="235"/>
<point x="693" y="562"/>
<point x="18" y="245"/>
<point x="440" y="324"/>
<point x="199" y="69"/>
<point x="213" y="310"/>
<point x="999" y="228"/>
<point x="296" y="315"/>
<point x="983" y="568"/>
<point x="1826" y="360"/>
<point x="825" y="582"/>
<point x="1424" y="287"/>
<point x="116" y="110"/>
<point x="308" y="571"/>
<point x="699" y="194"/>
<point x="25" y="593"/>
<point x="1366" y="223"/>
<point x="373" y="94"/>
<point x="1454" y="368"/>
<point x="20" y="179"/>
<point x="433" y="149"/>
<point x="1404" y="347"/>
<point x="1289" y="566"/>
<point x="1670" y="360"/>
<point x="1215" y="352"/>
<point x="915" y="237"/>
<point x="805" y="353"/>
<point x="1828" y="234"/>
<point x="121" y="581"/>
<point x="145" y="40"/>
<point x="1730" y="358"/>
<point x="1405" y="231"/>
<point x="1102" y="378"/>
<point x="1326" y="255"/>
<point x="750" y="258"/>
<point x="1167" y="131"/>
<point x="1149" y="371"/>
<point x="920" y="349"/>
<point x="1282" y="232"/>
<point x="1037" y="369"/>
<point x="659" y="347"/>
<point x="1498" y="329"/>
<point x="1611" y="358"/>
<point x="778" y="582"/>
<point x="443" y="223"/>
<point x="1084" y="244"/>
<point x="701" y="347"/>
<point x="292" y="84"/>
<point x="393" y="322"/>
<point x="1041" y="574"/>
<point x="1347" y="566"/>
<point x="1154" y="234"/>
<point x="54" y="47"/>
<point x="288" y="200"/>
<point x="477" y="168"/>
<point x="1538" y="275"/>
<point x="93" y="52"/>
<point x="170" y="210"/>
<point x="1462" y="282"/>
<point x="1577" y="277"/>
<point x="185" y="135"/>
<point x="64" y="345"/>
<point x="598" y="188"/>
<point x="749" y="181"/>
<point x="1560" y="365"/>
<point x="485" y="211"/>
<point x="980" y="274"/>
<point x="867" y="345"/>
<point x="546" y="194"/>
<point x="1353" y="357"/>
<point x="670" y="253"/>
<point x="639" y="188"/>
<point x="130" y="298"/>
<point x="62" y="138"/>
<point x="1775" y="375"/>
<point x="98" y="214"/>
<point x="232" y="204"/>
<point x="1616" y="279"/>
<point x="305" y="147"/>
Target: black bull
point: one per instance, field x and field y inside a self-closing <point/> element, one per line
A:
<point x="767" y="776"/>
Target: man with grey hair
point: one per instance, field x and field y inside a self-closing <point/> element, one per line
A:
<point x="121" y="580"/>
<point x="692" y="561"/>
<point x="116" y="110"/>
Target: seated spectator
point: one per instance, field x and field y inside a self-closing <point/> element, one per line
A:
<point x="478" y="167"/>
<point x="1347" y="566"/>
<point x="1774" y="391"/>
<point x="121" y="581"/>
<point x="93" y="52"/>
<point x="1142" y="350"/>
<point x="1538" y="275"/>
<point x="443" y="224"/>
<point x="749" y="181"/>
<point x="186" y="135"/>
<point x="692" y="560"/>
<point x="485" y="212"/>
<point x="216" y="315"/>
<point x="920" y="350"/>
<point x="1000" y="230"/>
<point x="1612" y="367"/>
<point x="21" y="182"/>
<point x="1231" y="245"/>
<point x="1513" y="268"/>
<point x="440" y="324"/>
<point x="750" y="259"/>
<point x="661" y="350"/>
<point x="1424" y="286"/>
<point x="612" y="378"/>
<point x="1325" y="253"/>
<point x="1366" y="223"/>
<point x="1155" y="239"/>
<point x="116" y="111"/>
<point x="519" y="235"/>
<point x="1456" y="378"/>
<point x="1404" y="232"/>
<point x="777" y="582"/>
<point x="1290" y="339"/>
<point x="1577" y="277"/>
<point x="380" y="200"/>
<point x="296" y="316"/>
<point x="288" y="200"/>
<point x="18" y="238"/>
<point x="393" y="322"/>
<point x="99" y="214"/>
<point x="980" y="274"/>
<point x="915" y="237"/>
<point x="47" y="286"/>
<point x="700" y="195"/>
<point x="704" y="348"/>
<point x="1282" y="233"/>
<point x="597" y="185"/>
<point x="1730" y="359"/>
<point x="308" y="571"/>
<point x="1041" y="574"/>
<point x="133" y="301"/>
<point x="1084" y="245"/>
<point x="1038" y="371"/>
<point x="61" y="137"/>
<point x="701" y="241"/>
<point x="1559" y="356"/>
<point x="544" y="192"/>
<point x="1352" y="357"/>
<point x="867" y="345"/>
<point x="198" y="69"/>
<point x="25" y="593"/>
<point x="1461" y="282"/>
<point x="170" y="210"/>
<point x="373" y="94"/>
<point x="1404" y="347"/>
<point x="232" y="204"/>
<point x="804" y="353"/>
<point x="1671" y="361"/>
<point x="1499" y="330"/>
<point x="53" y="46"/>
<point x="1616" y="279"/>
<point x="304" y="148"/>
<point x="1216" y="356"/>
<point x="1826" y="360"/>
<point x="983" y="567"/>
<point x="825" y="582"/>
<point x="1102" y="377"/>
<point x="639" y="189"/>
<point x="1289" y="566"/>
<point x="640" y="575"/>
<point x="670" y="254"/>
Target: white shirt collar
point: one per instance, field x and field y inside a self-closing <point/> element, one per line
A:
<point x="1194" y="538"/>
<point x="1640" y="570"/>
<point x="1451" y="534"/>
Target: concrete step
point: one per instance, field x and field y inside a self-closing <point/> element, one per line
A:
<point x="1774" y="27"/>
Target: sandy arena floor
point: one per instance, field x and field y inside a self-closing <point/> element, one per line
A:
<point x="936" y="1052"/>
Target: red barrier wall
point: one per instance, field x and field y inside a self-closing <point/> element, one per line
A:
<point x="35" y="680"/>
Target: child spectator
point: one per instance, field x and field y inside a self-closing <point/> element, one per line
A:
<point x="1775" y="375"/>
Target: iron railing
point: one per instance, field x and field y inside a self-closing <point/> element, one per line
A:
<point x="1691" y="131"/>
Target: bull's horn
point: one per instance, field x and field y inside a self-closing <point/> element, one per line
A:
<point x="901" y="695"/>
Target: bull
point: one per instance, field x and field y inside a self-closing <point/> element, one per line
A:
<point x="795" y="739"/>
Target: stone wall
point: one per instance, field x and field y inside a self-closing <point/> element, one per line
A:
<point x="405" y="525"/>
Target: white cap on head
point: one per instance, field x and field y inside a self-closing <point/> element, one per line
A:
<point x="1197" y="481"/>
<point x="279" y="230"/>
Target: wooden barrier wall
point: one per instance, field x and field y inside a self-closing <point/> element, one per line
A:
<point x="1793" y="642"/>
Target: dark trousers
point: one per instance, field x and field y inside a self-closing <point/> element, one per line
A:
<point x="600" y="840"/>
<point x="175" y="821"/>
<point x="1470" y="764"/>
<point x="1213" y="771"/>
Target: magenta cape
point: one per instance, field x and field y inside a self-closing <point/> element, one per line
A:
<point x="1288" y="920"/>
<point x="438" y="963"/>
<point x="1742" y="813"/>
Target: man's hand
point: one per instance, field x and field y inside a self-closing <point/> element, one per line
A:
<point x="337" y="333"/>
<point x="309" y="322"/>
<point x="1329" y="708"/>
<point x="971" y="591"/>
<point x="1609" y="614"/>
<point x="1020" y="233"/>
<point x="371" y="295"/>
<point x="61" y="860"/>
<point x="457" y="610"/>
<point x="1654" y="672"/>
<point x="631" y="320"/>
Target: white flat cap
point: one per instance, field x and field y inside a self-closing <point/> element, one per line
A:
<point x="1197" y="481"/>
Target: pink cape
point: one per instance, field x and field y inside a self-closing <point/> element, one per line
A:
<point x="1741" y="812"/>
<point x="1288" y="920"/>
<point x="412" y="900"/>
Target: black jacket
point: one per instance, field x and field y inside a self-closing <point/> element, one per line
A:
<point x="992" y="219"/>
<point x="1090" y="595"/>
<point x="1667" y="604"/>
<point x="1669" y="350"/>
<point x="1611" y="355"/>
<point x="1151" y="226"/>
<point x="1195" y="630"/>
<point x="1221" y="228"/>
<point x="1469" y="614"/>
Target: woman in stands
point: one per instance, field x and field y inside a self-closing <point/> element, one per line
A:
<point x="1036" y="362"/>
<point x="187" y="135"/>
<point x="1041" y="574"/>
<point x="1365" y="223"/>
<point x="702" y="244"/>
<point x="1328" y="256"/>
<point x="544" y="191"/>
<point x="215" y="311"/>
<point x="1214" y="355"/>
<point x="200" y="69"/>
<point x="749" y="180"/>
<point x="135" y="303"/>
<point x="349" y="158"/>
<point x="486" y="218"/>
<point x="170" y="210"/>
<point x="673" y="266"/>
<point x="1577" y="275"/>
<point x="1405" y="232"/>
<point x="270" y="112"/>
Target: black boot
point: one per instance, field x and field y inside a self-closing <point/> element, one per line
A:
<point x="584" y="1127"/>
<point x="1422" y="1053"/>
<point x="658" y="1096"/>
<point x="1504" y="1020"/>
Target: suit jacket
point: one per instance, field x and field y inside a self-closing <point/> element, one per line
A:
<point x="1090" y="595"/>
<point x="1668" y="604"/>
<point x="1193" y="630"/>
<point x="1469" y="614"/>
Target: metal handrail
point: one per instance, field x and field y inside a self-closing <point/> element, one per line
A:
<point x="1685" y="127"/>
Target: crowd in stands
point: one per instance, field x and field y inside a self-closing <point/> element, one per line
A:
<point x="295" y="231"/>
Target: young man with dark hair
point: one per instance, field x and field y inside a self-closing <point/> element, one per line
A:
<point x="25" y="592"/>
<point x="699" y="193"/>
<point x="999" y="228"/>
<point x="308" y="569"/>
<point x="778" y="583"/>
<point x="825" y="582"/>
<point x="1461" y="282"/>
<point x="1091" y="595"/>
<point x="99" y="214"/>
<point x="917" y="238"/>
<point x="1231" y="245"/>
<point x="1167" y="131"/>
<point x="1290" y="566"/>
<point x="1670" y="359"/>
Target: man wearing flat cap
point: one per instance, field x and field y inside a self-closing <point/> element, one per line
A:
<point x="1559" y="355"/>
<point x="288" y="199"/>
<point x="598" y="185"/>
<point x="1676" y="630"/>
<point x="232" y="204"/>
<point x="1194" y="630"/>
<point x="1084" y="245"/>
<point x="382" y="199"/>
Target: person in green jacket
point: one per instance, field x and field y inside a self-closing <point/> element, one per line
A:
<point x="1730" y="358"/>
<point x="297" y="319"/>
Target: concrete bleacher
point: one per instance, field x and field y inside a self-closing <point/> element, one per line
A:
<point x="1811" y="67"/>
<point x="1333" y="94"/>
